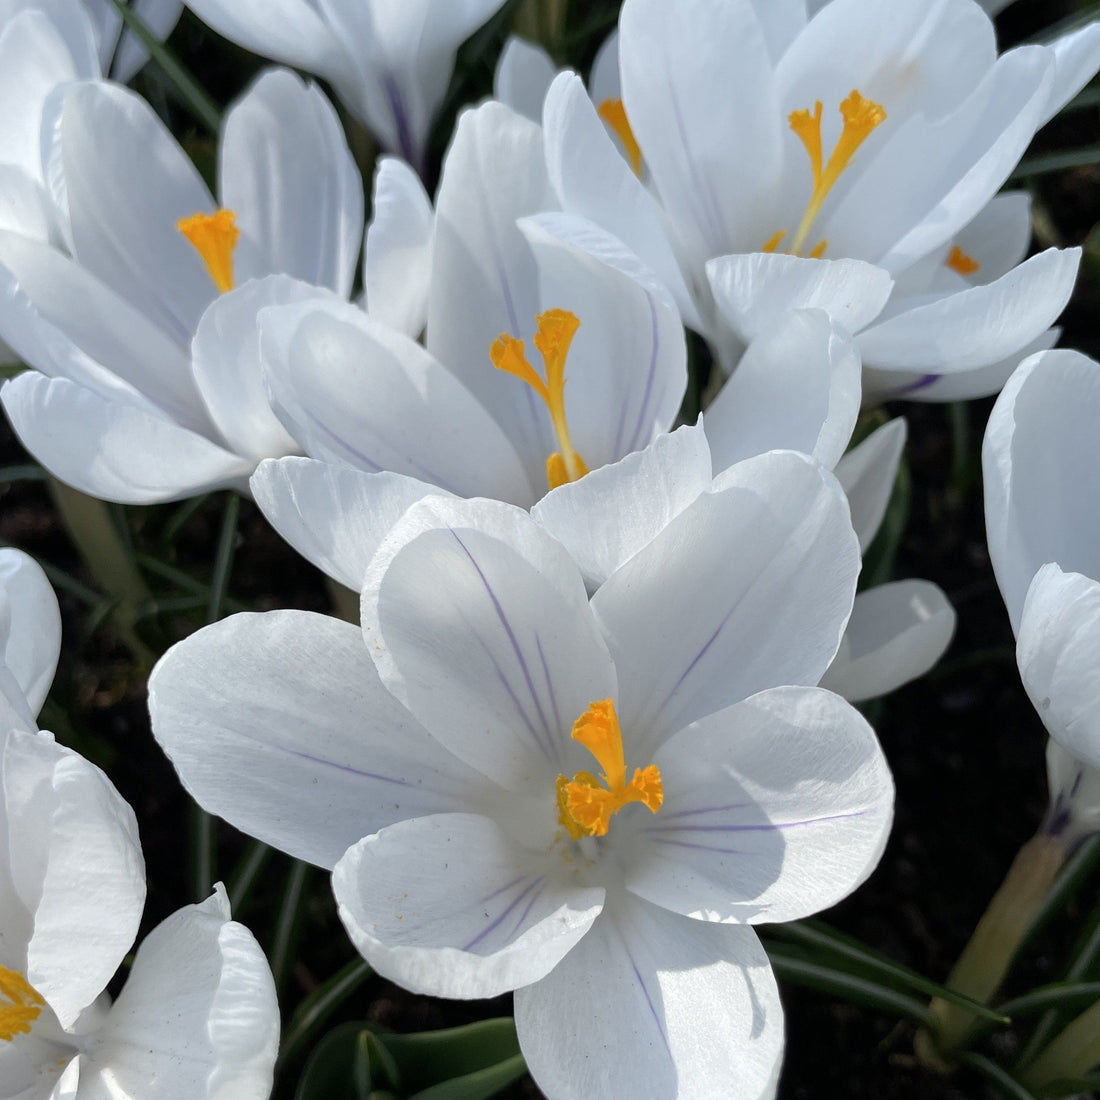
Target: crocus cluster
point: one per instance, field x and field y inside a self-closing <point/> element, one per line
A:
<point x="596" y="719"/>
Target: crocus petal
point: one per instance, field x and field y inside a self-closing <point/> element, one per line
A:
<point x="352" y="390"/>
<point x="796" y="387"/>
<point x="225" y="360"/>
<point x="64" y="321"/>
<point x="484" y="280"/>
<point x="287" y="173"/>
<point x="653" y="1004"/>
<point x="113" y="450"/>
<point x="76" y="862"/>
<point x="1057" y="651"/>
<point x="451" y="906"/>
<point x="717" y="171"/>
<point x="479" y="622"/>
<point x="128" y="185"/>
<point x="1039" y="464"/>
<point x="24" y="205"/>
<point x="290" y="31"/>
<point x="397" y="268"/>
<point x="604" y="519"/>
<point x="30" y="625"/>
<point x="998" y="237"/>
<point x="197" y="1017"/>
<point x="593" y="180"/>
<point x="38" y="54"/>
<point x="867" y="474"/>
<point x="160" y="16"/>
<point x="523" y="76"/>
<point x="333" y="515"/>
<point x="627" y="365"/>
<point x="754" y="291"/>
<point x="279" y="724"/>
<point x="897" y="632"/>
<point x="747" y="589"/>
<point x="747" y="834"/>
<point x="1076" y="59"/>
<point x="977" y="326"/>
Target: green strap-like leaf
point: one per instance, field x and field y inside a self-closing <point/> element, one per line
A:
<point x="1000" y="1079"/>
<point x="477" y="1086"/>
<point x="319" y="1005"/>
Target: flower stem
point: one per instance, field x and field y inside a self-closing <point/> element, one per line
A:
<point x="109" y="559"/>
<point x="345" y="603"/>
<point x="1071" y="1055"/>
<point x="985" y="960"/>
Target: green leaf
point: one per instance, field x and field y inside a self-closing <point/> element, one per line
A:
<point x="430" y="1057"/>
<point x="8" y="474"/>
<point x="320" y="1004"/>
<point x="819" y="939"/>
<point x="878" y="562"/>
<point x="1045" y="163"/>
<point x="1072" y="1086"/>
<point x="479" y="1085"/>
<point x="191" y="92"/>
<point x="850" y="987"/>
<point x="1000" y="1079"/>
<point x="334" y="1070"/>
<point x="1071" y="995"/>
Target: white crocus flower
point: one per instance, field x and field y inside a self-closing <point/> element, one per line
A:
<point x="197" y="1018"/>
<point x="444" y="761"/>
<point x="389" y="60"/>
<point x="1039" y="460"/>
<point x="790" y="161"/>
<point x="140" y="326"/>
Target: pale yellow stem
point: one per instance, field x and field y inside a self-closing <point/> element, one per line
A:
<point x="1071" y="1055"/>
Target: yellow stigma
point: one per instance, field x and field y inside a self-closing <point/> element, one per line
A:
<point x="214" y="237"/>
<point x="861" y="116"/>
<point x="556" y="329"/>
<point x="613" y="113"/>
<point x="585" y="807"/>
<point x="20" y="1004"/>
<point x="962" y="263"/>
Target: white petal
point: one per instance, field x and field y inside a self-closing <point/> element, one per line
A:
<point x="604" y="82"/>
<point x="998" y="237"/>
<point x="351" y="390"/>
<point x="40" y="49"/>
<point x="1077" y="57"/>
<point x="62" y="320"/>
<point x="24" y="205"/>
<point x="774" y="809"/>
<point x="160" y="16"/>
<point x="796" y="387"/>
<point x="197" y="1017"/>
<point x="656" y="1005"/>
<point x="593" y="180"/>
<point x="897" y="632"/>
<point x="1040" y="469"/>
<point x="484" y="280"/>
<point x="604" y="519"/>
<point x="479" y="622"/>
<point x="128" y="184"/>
<point x="627" y="367"/>
<point x="286" y="171"/>
<point x="333" y="515"/>
<point x="523" y="76"/>
<point x="397" y="269"/>
<point x="867" y="474"/>
<point x="113" y="450"/>
<point x="279" y="724"/>
<point x="747" y="589"/>
<point x="30" y="625"/>
<point x="225" y="360"/>
<point x="977" y="326"/>
<point x="77" y="868"/>
<point x="1057" y="652"/>
<point x="717" y="170"/>
<point x="755" y="290"/>
<point x="451" y="906"/>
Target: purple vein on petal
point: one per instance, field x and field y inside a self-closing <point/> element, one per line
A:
<point x="499" y="919"/>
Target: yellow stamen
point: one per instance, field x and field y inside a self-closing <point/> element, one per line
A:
<point x="861" y="116"/>
<point x="556" y="329"/>
<point x="772" y="243"/>
<point x="214" y="237"/>
<point x="961" y="262"/>
<point x="585" y="808"/>
<point x="613" y="113"/>
<point x="20" y="1004"/>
